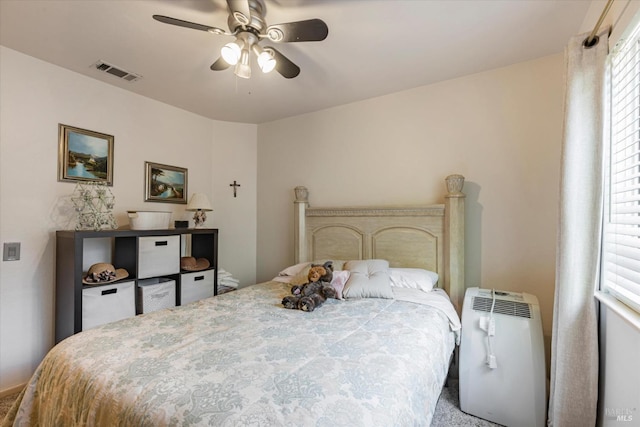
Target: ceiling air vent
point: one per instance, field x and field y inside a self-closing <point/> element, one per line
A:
<point x="116" y="71"/>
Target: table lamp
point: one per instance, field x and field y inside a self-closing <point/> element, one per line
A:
<point x="200" y="204"/>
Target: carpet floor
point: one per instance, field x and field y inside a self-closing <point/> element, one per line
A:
<point x="448" y="413"/>
<point x="5" y="404"/>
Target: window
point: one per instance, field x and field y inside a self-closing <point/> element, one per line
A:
<point x="621" y="228"/>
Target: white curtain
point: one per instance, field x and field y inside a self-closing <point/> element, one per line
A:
<point x="574" y="348"/>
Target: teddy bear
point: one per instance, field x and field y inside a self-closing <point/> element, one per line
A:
<point x="317" y="273"/>
<point x="315" y="292"/>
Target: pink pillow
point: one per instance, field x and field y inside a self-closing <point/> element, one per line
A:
<point x="339" y="280"/>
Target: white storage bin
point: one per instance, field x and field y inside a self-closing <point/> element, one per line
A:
<point x="108" y="303"/>
<point x="196" y="286"/>
<point x="149" y="220"/>
<point x="156" y="294"/>
<point x="158" y="256"/>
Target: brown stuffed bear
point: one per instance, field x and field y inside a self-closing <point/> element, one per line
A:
<point x="313" y="294"/>
<point x="321" y="273"/>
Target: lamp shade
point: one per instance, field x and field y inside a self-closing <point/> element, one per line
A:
<point x="266" y="62"/>
<point x="231" y="52"/>
<point x="242" y="68"/>
<point x="199" y="201"/>
<point x="265" y="58"/>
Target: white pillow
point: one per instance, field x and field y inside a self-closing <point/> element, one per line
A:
<point x="283" y="279"/>
<point x="303" y="267"/>
<point x="413" y="278"/>
<point x="294" y="270"/>
<point x="298" y="274"/>
<point x="368" y="279"/>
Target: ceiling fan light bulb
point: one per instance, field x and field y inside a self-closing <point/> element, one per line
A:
<point x="231" y="53"/>
<point x="266" y="62"/>
<point x="242" y="70"/>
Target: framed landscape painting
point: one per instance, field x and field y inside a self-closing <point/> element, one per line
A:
<point x="84" y="155"/>
<point x="164" y="183"/>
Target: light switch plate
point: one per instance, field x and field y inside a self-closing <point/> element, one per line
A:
<point x="11" y="251"/>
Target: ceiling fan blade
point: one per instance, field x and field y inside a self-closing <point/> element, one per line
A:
<point x="187" y="24"/>
<point x="240" y="10"/>
<point x="220" y="65"/>
<point x="284" y="66"/>
<point x="311" y="30"/>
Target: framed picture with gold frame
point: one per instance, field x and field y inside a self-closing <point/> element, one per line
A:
<point x="164" y="183"/>
<point x="84" y="155"/>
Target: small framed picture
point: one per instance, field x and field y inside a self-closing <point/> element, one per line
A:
<point x="84" y="155"/>
<point x="164" y="183"/>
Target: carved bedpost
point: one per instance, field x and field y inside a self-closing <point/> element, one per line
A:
<point x="454" y="245"/>
<point x="300" y="204"/>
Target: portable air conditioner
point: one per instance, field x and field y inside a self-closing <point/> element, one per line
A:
<point x="502" y="365"/>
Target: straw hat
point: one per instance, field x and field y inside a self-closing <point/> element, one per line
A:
<point x="191" y="264"/>
<point x="102" y="273"/>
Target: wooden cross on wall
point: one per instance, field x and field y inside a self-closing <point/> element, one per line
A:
<point x="235" y="186"/>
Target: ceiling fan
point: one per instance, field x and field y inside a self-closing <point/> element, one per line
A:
<point x="248" y="26"/>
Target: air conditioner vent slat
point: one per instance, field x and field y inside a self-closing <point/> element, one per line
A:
<point x="510" y="308"/>
<point x="116" y="71"/>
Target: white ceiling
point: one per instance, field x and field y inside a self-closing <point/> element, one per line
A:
<point x="374" y="47"/>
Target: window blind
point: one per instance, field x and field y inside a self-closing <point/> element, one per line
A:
<point x="621" y="228"/>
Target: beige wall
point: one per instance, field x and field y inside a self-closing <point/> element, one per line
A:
<point x="34" y="97"/>
<point x="234" y="158"/>
<point x="501" y="129"/>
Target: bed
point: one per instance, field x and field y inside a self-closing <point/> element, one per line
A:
<point x="243" y="359"/>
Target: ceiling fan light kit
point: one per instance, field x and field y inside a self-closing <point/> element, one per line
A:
<point x="242" y="68"/>
<point x="231" y="52"/>
<point x="246" y="22"/>
<point x="266" y="61"/>
<point x="237" y="53"/>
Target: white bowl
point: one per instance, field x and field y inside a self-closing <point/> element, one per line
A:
<point x="149" y="220"/>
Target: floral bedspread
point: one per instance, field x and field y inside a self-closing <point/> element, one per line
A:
<point x="241" y="359"/>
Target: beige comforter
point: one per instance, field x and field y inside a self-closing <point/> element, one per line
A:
<point x="241" y="359"/>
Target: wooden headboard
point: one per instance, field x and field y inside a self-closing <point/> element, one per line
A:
<point x="429" y="237"/>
